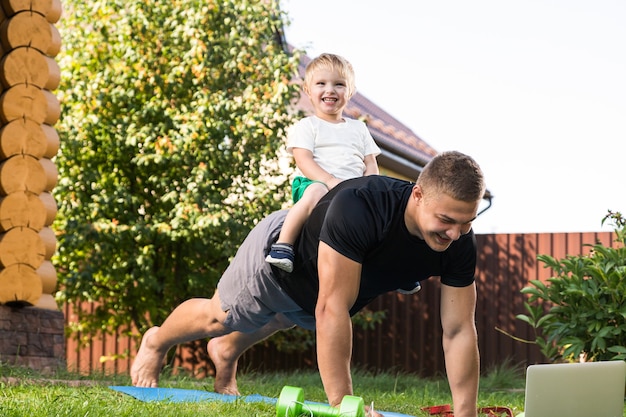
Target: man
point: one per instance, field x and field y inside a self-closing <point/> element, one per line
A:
<point x="367" y="236"/>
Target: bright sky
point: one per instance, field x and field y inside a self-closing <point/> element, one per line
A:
<point x="534" y="90"/>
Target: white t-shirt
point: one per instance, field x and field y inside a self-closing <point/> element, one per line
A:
<point x="339" y="148"/>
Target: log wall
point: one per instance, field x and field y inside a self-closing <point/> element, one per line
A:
<point x="29" y="41"/>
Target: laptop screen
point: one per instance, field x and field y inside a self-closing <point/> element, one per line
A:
<point x="590" y="389"/>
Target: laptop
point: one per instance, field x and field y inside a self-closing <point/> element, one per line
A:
<point x="589" y="389"/>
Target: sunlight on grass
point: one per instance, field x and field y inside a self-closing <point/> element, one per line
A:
<point x="25" y="393"/>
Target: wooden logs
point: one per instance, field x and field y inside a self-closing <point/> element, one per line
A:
<point x="25" y="137"/>
<point x="21" y="245"/>
<point x="50" y="9"/>
<point x="28" y="66"/>
<point x="32" y="30"/>
<point x="23" y="173"/>
<point x="27" y="210"/>
<point x="28" y="143"/>
<point x="20" y="284"/>
<point x="29" y="102"/>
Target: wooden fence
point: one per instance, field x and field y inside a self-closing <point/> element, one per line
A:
<point x="409" y="339"/>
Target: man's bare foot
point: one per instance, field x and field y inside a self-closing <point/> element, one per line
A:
<point x="225" y="367"/>
<point x="147" y="364"/>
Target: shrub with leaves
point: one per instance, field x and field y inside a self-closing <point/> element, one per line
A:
<point x="582" y="309"/>
<point x="173" y="116"/>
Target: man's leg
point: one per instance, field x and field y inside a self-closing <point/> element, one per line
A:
<point x="226" y="350"/>
<point x="197" y="318"/>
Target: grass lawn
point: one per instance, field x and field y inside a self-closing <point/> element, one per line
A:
<point x="25" y="393"/>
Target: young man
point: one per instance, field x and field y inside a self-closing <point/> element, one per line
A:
<point x="367" y="236"/>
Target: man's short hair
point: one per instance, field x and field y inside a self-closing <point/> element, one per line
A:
<point x="454" y="174"/>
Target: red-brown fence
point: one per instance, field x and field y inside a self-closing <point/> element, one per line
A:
<point x="409" y="339"/>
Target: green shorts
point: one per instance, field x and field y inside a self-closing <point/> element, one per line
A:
<point x="298" y="186"/>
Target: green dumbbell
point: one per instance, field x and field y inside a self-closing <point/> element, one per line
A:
<point x="291" y="404"/>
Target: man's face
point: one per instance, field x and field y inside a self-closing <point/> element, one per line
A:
<point x="439" y="219"/>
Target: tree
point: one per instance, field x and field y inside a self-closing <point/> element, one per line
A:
<point x="173" y="116"/>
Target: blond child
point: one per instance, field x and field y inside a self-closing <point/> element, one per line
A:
<point x="327" y="147"/>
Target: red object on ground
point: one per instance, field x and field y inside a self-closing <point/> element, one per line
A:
<point x="446" y="411"/>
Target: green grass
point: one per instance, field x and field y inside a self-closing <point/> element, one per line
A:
<point x="25" y="393"/>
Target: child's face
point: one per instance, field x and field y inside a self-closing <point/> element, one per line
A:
<point x="329" y="94"/>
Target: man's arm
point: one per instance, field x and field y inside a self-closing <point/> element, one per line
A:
<point x="460" y="347"/>
<point x="339" y="279"/>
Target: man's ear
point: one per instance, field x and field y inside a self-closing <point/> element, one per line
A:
<point x="417" y="193"/>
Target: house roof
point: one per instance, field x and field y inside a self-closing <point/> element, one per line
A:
<point x="402" y="150"/>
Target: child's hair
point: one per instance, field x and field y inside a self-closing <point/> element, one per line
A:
<point x="454" y="174"/>
<point x="334" y="63"/>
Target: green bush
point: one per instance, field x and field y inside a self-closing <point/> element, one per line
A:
<point x="582" y="310"/>
<point x="174" y="117"/>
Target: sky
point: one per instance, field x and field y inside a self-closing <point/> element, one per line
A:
<point x="534" y="90"/>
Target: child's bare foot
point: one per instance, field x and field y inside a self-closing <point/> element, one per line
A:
<point x="147" y="364"/>
<point x="225" y="368"/>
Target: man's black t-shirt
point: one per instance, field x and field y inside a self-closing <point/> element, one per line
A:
<point x="363" y="219"/>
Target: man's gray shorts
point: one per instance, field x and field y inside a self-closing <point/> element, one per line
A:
<point x="247" y="290"/>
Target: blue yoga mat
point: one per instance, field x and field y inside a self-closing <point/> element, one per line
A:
<point x="177" y="395"/>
